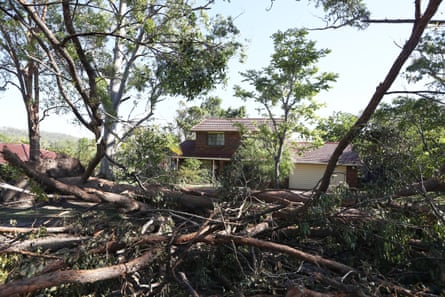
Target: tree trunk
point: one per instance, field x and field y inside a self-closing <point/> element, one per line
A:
<point x="116" y="90"/>
<point x="100" y="152"/>
<point x="433" y="184"/>
<point x="60" y="277"/>
<point x="127" y="204"/>
<point x="277" y="160"/>
<point x="106" y="168"/>
<point x="52" y="243"/>
<point x="32" y="104"/>
<point x="409" y="47"/>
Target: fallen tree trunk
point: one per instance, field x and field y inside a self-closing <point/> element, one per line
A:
<point x="46" y="243"/>
<point x="125" y="203"/>
<point x="250" y="241"/>
<point x="49" y="182"/>
<point x="285" y="249"/>
<point x="8" y="229"/>
<point x="60" y="277"/>
<point x="280" y="196"/>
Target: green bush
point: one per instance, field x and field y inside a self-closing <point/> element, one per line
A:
<point x="146" y="154"/>
<point x="191" y="172"/>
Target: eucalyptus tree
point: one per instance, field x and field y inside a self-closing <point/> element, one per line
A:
<point x="422" y="18"/>
<point x="109" y="57"/>
<point x="288" y="87"/>
<point x="20" y="68"/>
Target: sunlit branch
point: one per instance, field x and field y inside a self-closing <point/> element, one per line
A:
<point x="423" y="94"/>
<point x="399" y="21"/>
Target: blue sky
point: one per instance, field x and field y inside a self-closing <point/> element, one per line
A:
<point x="361" y="58"/>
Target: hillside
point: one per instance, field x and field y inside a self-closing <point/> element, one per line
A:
<point x="14" y="134"/>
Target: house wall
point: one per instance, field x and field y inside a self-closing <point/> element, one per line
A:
<point x="306" y="176"/>
<point x="352" y="176"/>
<point x="231" y="142"/>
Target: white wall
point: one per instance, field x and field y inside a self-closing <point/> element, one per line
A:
<point x="306" y="176"/>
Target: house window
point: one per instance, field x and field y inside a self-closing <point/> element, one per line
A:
<point x="215" y="139"/>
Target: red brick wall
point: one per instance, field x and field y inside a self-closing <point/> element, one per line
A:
<point x="231" y="142"/>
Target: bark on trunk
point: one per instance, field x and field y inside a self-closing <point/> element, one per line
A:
<point x="116" y="90"/>
<point x="127" y="204"/>
<point x="409" y="47"/>
<point x="60" y="277"/>
<point x="100" y="152"/>
<point x="106" y="168"/>
<point x="46" y="243"/>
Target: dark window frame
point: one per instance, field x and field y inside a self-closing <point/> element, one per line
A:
<point x="215" y="139"/>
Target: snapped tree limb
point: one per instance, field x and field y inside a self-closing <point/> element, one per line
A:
<point x="60" y="277"/>
<point x="418" y="29"/>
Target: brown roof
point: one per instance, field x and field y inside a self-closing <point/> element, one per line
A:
<point x="223" y="125"/>
<point x="322" y="155"/>
<point x="22" y="151"/>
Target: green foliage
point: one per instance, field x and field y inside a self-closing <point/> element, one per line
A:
<point x="192" y="67"/>
<point x="288" y="86"/>
<point x="146" y="154"/>
<point x="8" y="263"/>
<point x="112" y="51"/>
<point x="404" y="238"/>
<point x="401" y="144"/>
<point x="333" y="128"/>
<point x="11" y="174"/>
<point x="428" y="62"/>
<point x="344" y="12"/>
<point x="252" y="165"/>
<point x="82" y="149"/>
<point x="192" y="172"/>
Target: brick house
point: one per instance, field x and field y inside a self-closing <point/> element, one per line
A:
<point x="216" y="140"/>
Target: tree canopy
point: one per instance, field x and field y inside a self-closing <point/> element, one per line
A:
<point x="287" y="87"/>
<point x="104" y="53"/>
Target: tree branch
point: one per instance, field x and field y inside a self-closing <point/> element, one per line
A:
<point x="381" y="89"/>
<point x="399" y="21"/>
<point x="60" y="277"/>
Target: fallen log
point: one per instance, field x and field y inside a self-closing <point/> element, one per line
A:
<point x="60" y="277"/>
<point x="285" y="249"/>
<point x="7" y="229"/>
<point x="49" y="182"/>
<point x="46" y="243"/>
<point x="250" y="241"/>
<point x="23" y="191"/>
<point x="280" y="196"/>
<point x="126" y="203"/>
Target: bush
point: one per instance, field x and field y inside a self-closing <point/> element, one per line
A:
<point x="191" y="172"/>
<point x="146" y="155"/>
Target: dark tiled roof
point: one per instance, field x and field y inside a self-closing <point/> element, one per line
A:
<point x="222" y="125"/>
<point x="322" y="155"/>
<point x="22" y="151"/>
